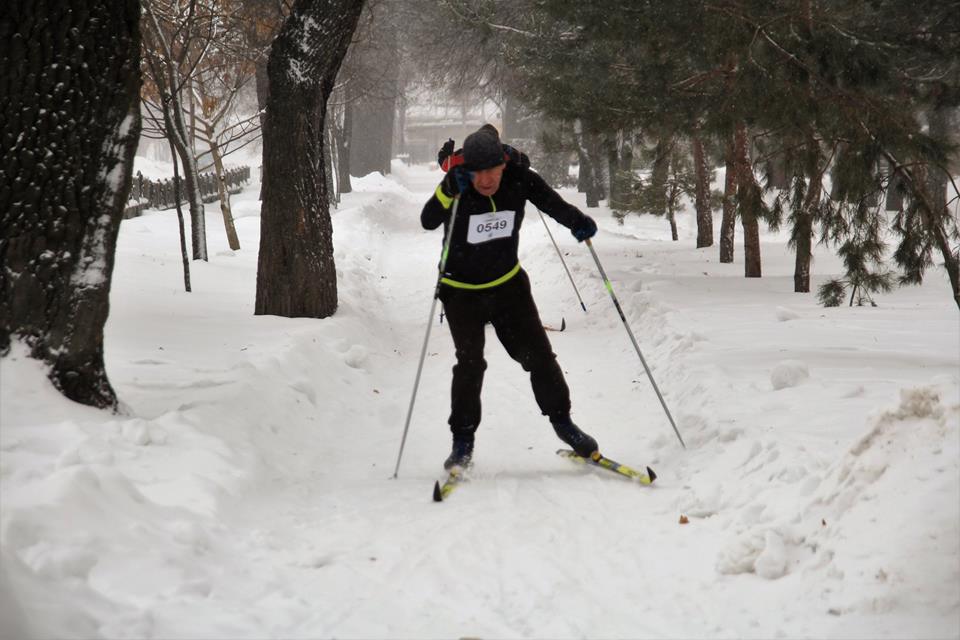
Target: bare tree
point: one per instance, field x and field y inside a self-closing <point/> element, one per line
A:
<point x="296" y="275"/>
<point x="221" y="75"/>
<point x="176" y="37"/>
<point x="71" y="78"/>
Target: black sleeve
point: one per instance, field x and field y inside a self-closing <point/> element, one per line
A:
<point x="433" y="214"/>
<point x="549" y="201"/>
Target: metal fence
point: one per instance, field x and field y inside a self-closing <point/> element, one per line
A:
<point x="158" y="194"/>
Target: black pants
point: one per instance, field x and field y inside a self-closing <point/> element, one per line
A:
<point x="512" y="312"/>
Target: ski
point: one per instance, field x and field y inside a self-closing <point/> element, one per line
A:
<point x="441" y="491"/>
<point x="610" y="465"/>
<point x="563" y="326"/>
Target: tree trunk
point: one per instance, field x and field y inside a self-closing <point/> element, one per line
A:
<point x="704" y="214"/>
<point x="803" y="225"/>
<point x="70" y="84"/>
<point x="620" y="163"/>
<point x="375" y="108"/>
<point x="225" y="210"/>
<point x="371" y="140"/>
<point x="659" y="174"/>
<point x="191" y="179"/>
<point x="748" y="197"/>
<point x="935" y="216"/>
<point x="177" y="198"/>
<point x="511" y="118"/>
<point x="588" y="150"/>
<point x="582" y="170"/>
<point x="728" y="227"/>
<point x="937" y="181"/>
<point x="803" y="237"/>
<point x="160" y="58"/>
<point x="296" y="275"/>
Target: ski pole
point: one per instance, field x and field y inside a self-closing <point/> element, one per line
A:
<point x="426" y="338"/>
<point x="562" y="261"/>
<point x="616" y="303"/>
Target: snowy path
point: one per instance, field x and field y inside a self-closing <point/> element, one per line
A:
<point x="248" y="493"/>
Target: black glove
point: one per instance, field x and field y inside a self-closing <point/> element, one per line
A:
<point x="456" y="181"/>
<point x="517" y="157"/>
<point x="445" y="151"/>
<point x="584" y="229"/>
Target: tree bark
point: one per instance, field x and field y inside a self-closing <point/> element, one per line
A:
<point x="728" y="227"/>
<point x="177" y="198"/>
<point x="704" y="214"/>
<point x="296" y="275"/>
<point x="69" y="89"/>
<point x="803" y="225"/>
<point x="588" y="151"/>
<point x="748" y="197"/>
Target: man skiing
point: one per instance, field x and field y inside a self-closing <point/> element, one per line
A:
<point x="483" y="282"/>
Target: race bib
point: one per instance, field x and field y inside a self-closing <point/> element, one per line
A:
<point x="490" y="226"/>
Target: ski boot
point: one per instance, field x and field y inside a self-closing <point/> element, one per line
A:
<point x="461" y="454"/>
<point x="581" y="443"/>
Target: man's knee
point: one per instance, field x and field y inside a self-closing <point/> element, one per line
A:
<point x="538" y="361"/>
<point x="469" y="364"/>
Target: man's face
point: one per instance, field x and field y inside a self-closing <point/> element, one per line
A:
<point x="487" y="181"/>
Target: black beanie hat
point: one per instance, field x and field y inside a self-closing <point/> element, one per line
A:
<point x="482" y="149"/>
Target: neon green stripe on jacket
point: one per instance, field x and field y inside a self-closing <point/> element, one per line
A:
<point x="485" y="285"/>
<point x="444" y="199"/>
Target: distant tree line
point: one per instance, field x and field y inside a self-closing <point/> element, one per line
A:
<point x="816" y="109"/>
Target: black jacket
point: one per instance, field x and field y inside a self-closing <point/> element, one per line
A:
<point x="473" y="259"/>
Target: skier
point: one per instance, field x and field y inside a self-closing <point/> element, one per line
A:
<point x="483" y="282"/>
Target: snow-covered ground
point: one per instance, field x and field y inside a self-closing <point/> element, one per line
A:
<point x="247" y="490"/>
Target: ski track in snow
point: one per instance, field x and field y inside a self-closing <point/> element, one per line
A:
<point x="246" y="492"/>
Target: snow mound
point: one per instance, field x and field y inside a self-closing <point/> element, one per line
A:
<point x="376" y="182"/>
<point x="784" y="314"/>
<point x="763" y="553"/>
<point x="788" y="373"/>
